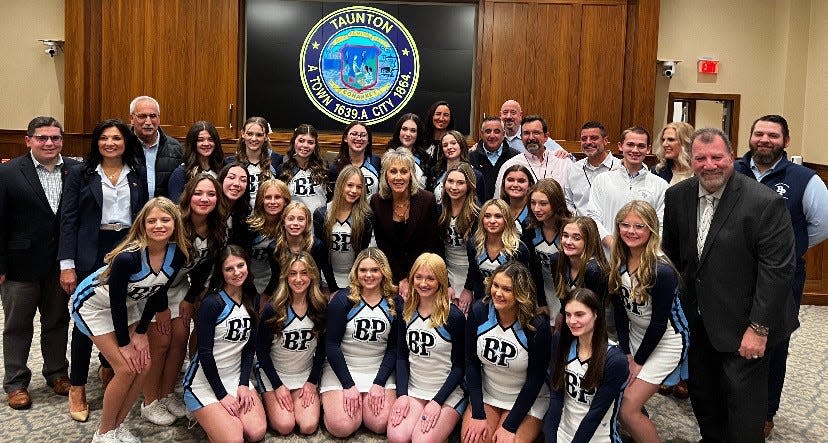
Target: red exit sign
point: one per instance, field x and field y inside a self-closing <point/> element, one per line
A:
<point x="708" y="66"/>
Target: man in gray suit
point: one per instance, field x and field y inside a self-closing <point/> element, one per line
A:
<point x="732" y="241"/>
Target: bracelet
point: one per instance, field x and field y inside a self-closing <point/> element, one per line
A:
<point x="760" y="330"/>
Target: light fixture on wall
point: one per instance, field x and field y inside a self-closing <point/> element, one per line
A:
<point x="668" y="67"/>
<point x="52" y="46"/>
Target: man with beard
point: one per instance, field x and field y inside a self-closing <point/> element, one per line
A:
<point x="490" y="153"/>
<point x="731" y="239"/>
<point x="631" y="181"/>
<point x="161" y="153"/>
<point x="511" y="115"/>
<point x="598" y="160"/>
<point x="537" y="158"/>
<point x="806" y="196"/>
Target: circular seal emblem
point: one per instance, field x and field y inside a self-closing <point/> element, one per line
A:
<point x="359" y="63"/>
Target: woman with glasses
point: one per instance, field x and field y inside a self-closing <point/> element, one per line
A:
<point x="652" y="329"/>
<point x="355" y="149"/>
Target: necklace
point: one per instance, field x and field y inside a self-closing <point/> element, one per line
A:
<point x="113" y="175"/>
<point x="401" y="210"/>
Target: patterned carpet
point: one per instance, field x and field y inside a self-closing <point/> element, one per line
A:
<point x="803" y="416"/>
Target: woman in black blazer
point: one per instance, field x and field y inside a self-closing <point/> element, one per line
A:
<point x="101" y="198"/>
<point x="405" y="216"/>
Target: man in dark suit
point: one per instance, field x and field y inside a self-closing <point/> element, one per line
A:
<point x="731" y="239"/>
<point x="30" y="190"/>
<point x="161" y="153"/>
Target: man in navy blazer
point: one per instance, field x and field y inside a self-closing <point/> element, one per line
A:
<point x="30" y="192"/>
<point x="738" y="278"/>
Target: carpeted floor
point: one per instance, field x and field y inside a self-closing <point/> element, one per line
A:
<point x="803" y="416"/>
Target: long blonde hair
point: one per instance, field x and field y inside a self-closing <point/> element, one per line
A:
<point x="258" y="220"/>
<point x="282" y="247"/>
<point x="642" y="278"/>
<point x="360" y="211"/>
<point x="387" y="287"/>
<point x="282" y="298"/>
<point x="439" y="315"/>
<point x="510" y="237"/>
<point x="470" y="211"/>
<point x="684" y="132"/>
<point x="523" y="289"/>
<point x="136" y="238"/>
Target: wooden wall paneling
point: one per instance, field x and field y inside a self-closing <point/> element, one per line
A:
<point x="550" y="52"/>
<point x="601" y="60"/>
<point x="506" y="61"/>
<point x="82" y="77"/>
<point x="639" y="67"/>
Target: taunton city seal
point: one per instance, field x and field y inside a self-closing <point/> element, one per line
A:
<point x="359" y="63"/>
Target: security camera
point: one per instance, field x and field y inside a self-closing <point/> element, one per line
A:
<point x="52" y="46"/>
<point x="669" y="68"/>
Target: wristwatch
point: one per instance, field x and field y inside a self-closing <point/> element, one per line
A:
<point x="760" y="330"/>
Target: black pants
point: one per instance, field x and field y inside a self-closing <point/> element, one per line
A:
<point x="729" y="393"/>
<point x="81" y="348"/>
<point x="779" y="357"/>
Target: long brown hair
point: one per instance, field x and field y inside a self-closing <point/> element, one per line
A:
<point x="264" y="152"/>
<point x="258" y="219"/>
<point x="470" y="211"/>
<point x="595" y="371"/>
<point x="282" y="298"/>
<point x="523" y="289"/>
<point x="592" y="251"/>
<point x="216" y="220"/>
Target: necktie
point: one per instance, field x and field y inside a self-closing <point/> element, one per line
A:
<point x="704" y="223"/>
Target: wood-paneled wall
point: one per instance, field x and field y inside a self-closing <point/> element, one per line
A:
<point x="570" y="61"/>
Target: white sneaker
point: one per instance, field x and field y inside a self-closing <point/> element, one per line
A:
<point x="157" y="413"/>
<point x="123" y="434"/>
<point x="109" y="437"/>
<point x="175" y="405"/>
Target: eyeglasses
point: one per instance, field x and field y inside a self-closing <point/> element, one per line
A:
<point x="358" y="134"/>
<point x="637" y="227"/>
<point x="145" y="116"/>
<point x="45" y="138"/>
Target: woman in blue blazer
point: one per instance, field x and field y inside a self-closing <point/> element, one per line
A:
<point x="101" y="198"/>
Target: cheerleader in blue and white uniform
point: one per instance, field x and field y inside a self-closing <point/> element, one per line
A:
<point x="290" y="348"/>
<point x="217" y="388"/>
<point x="235" y="201"/>
<point x="430" y="358"/>
<point x="507" y="358"/>
<point x="495" y="242"/>
<point x="114" y="306"/>
<point x="542" y="235"/>
<point x="582" y="264"/>
<point x="652" y="329"/>
<point x="205" y="231"/>
<point x="457" y="222"/>
<point x="304" y="170"/>
<point x="343" y="227"/>
<point x="264" y="227"/>
<point x="588" y="376"/>
<point x="361" y="347"/>
<point x="453" y="150"/>
<point x="514" y="190"/>
<point x="356" y="149"/>
<point x="255" y="154"/>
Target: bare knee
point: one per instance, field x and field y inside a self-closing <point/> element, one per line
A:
<point x="340" y="428"/>
<point x="396" y="434"/>
<point x="308" y="428"/>
<point x="255" y="432"/>
<point x="282" y="425"/>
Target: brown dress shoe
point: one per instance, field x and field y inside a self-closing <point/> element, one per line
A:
<point x="19" y="399"/>
<point x="768" y="429"/>
<point x="106" y="375"/>
<point x="681" y="391"/>
<point x="61" y="385"/>
<point x="78" y="408"/>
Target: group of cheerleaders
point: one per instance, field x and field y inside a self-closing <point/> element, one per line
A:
<point x="295" y="313"/>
